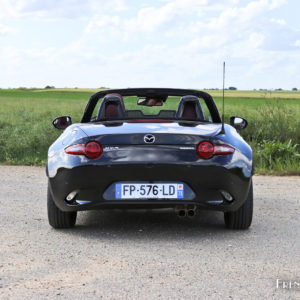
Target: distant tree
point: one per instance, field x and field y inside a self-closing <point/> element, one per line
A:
<point x="232" y="88"/>
<point x="294" y="89"/>
<point x="49" y="87"/>
<point x="280" y="89"/>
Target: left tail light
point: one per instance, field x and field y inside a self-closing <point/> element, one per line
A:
<point x="91" y="150"/>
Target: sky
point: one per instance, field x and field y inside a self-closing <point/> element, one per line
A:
<point x="157" y="43"/>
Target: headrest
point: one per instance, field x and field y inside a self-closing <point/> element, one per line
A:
<point x="189" y="107"/>
<point x="112" y="106"/>
<point x="116" y="95"/>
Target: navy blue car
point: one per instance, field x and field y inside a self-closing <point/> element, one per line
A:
<point x="132" y="149"/>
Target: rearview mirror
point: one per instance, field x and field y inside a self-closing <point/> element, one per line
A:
<point x="62" y="122"/>
<point x="142" y="101"/>
<point x="157" y="101"/>
<point x="238" y="123"/>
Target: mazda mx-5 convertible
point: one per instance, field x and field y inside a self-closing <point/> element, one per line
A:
<point x="150" y="148"/>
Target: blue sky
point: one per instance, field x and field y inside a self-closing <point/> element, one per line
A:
<point x="158" y="43"/>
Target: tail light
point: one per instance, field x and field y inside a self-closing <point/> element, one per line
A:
<point x="207" y="150"/>
<point x="91" y="149"/>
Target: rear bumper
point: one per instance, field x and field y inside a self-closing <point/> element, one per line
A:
<point x="206" y="181"/>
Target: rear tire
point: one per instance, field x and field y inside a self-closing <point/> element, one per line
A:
<point x="242" y="218"/>
<point x="58" y="218"/>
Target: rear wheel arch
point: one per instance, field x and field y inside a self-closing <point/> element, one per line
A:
<point x="241" y="218"/>
<point x="56" y="217"/>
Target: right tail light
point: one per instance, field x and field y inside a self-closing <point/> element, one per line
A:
<point x="206" y="150"/>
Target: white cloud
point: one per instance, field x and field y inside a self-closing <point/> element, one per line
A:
<point x="278" y="21"/>
<point x="52" y="9"/>
<point x="6" y="29"/>
<point x="277" y="3"/>
<point x="173" y="16"/>
<point x="170" y="43"/>
<point x="103" y="24"/>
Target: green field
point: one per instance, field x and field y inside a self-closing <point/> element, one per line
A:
<point x="274" y="123"/>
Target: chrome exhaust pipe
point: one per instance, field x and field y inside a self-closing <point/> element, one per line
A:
<point x="180" y="210"/>
<point x="191" y="213"/>
<point x="182" y="213"/>
<point x="186" y="210"/>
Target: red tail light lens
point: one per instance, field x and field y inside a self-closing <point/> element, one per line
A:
<point x="207" y="150"/>
<point x="91" y="149"/>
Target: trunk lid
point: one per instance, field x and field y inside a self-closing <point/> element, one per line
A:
<point x="173" y="133"/>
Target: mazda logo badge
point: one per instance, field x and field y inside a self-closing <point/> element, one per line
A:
<point x="149" y="138"/>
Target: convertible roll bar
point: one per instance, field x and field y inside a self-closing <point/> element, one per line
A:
<point x="151" y="92"/>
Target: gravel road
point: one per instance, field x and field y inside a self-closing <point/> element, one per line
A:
<point x="148" y="254"/>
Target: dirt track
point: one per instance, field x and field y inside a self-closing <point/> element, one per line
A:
<point x="148" y="254"/>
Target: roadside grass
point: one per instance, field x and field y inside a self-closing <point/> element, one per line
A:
<point x="26" y="129"/>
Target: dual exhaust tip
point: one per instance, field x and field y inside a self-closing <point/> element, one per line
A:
<point x="186" y="211"/>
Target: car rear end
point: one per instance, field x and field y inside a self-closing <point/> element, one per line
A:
<point x="150" y="165"/>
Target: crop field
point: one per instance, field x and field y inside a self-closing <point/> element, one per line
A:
<point x="26" y="129"/>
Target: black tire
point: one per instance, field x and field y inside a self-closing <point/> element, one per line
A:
<point x="242" y="218"/>
<point x="58" y="218"/>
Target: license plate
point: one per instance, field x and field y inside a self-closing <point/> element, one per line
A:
<point x="149" y="190"/>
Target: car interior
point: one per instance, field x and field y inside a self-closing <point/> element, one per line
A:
<point x="112" y="107"/>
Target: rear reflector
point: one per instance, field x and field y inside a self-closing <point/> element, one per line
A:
<point x="207" y="150"/>
<point x="91" y="149"/>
